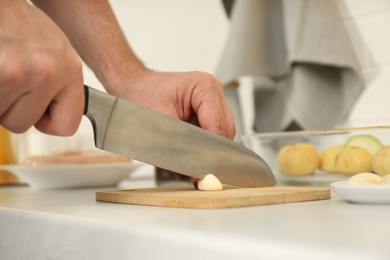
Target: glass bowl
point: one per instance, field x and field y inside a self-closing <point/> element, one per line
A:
<point x="267" y="145"/>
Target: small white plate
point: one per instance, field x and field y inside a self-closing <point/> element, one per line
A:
<point x="362" y="194"/>
<point x="72" y="175"/>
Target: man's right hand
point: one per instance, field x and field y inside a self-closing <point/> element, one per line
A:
<point x="41" y="79"/>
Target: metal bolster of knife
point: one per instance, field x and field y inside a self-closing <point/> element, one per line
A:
<point x="98" y="108"/>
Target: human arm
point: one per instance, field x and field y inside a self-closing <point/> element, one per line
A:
<point x="91" y="26"/>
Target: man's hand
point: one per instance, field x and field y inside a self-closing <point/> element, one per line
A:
<point x="40" y="74"/>
<point x="195" y="97"/>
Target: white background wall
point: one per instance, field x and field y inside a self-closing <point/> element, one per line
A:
<point x="184" y="35"/>
<point x="176" y="35"/>
<point x="368" y="23"/>
<point x="189" y="35"/>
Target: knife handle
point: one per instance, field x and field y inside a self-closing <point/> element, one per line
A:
<point x="98" y="108"/>
<point x="86" y="98"/>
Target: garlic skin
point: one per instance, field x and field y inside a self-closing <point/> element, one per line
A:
<point x="209" y="183"/>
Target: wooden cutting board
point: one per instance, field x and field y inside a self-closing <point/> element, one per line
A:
<point x="230" y="197"/>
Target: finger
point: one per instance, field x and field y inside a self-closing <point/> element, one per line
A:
<point x="11" y="80"/>
<point x="8" y="97"/>
<point x="24" y="112"/>
<point x="63" y="115"/>
<point x="229" y="121"/>
<point x="230" y="125"/>
<point x="207" y="105"/>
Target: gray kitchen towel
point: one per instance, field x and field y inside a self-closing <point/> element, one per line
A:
<point x="302" y="58"/>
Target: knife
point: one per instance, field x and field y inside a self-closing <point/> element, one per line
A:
<point x="125" y="128"/>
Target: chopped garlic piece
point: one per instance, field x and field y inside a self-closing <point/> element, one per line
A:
<point x="210" y="183"/>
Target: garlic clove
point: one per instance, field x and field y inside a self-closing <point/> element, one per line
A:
<point x="209" y="183"/>
<point x="385" y="180"/>
<point x="366" y="178"/>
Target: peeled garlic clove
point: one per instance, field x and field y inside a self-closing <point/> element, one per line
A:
<point x="367" y="178"/>
<point x="209" y="183"/>
<point x="385" y="180"/>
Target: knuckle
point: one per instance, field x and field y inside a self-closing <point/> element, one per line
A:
<point x="44" y="69"/>
<point x="73" y="62"/>
<point x="47" y="69"/>
<point x="11" y="74"/>
<point x="208" y="80"/>
<point x="206" y="77"/>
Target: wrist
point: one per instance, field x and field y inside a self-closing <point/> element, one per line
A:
<point x="119" y="81"/>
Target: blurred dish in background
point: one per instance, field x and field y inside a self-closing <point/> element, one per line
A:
<point x="74" y="157"/>
<point x="72" y="176"/>
<point x="71" y="169"/>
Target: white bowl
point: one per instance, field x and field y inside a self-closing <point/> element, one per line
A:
<point x="72" y="175"/>
<point x="362" y="194"/>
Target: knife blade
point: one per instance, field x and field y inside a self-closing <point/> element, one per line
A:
<point x="125" y="128"/>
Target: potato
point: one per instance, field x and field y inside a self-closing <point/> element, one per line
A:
<point x="352" y="160"/>
<point x="381" y="161"/>
<point x="298" y="159"/>
<point x="366" y="178"/>
<point x="328" y="158"/>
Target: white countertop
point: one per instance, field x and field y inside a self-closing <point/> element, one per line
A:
<point x="70" y="224"/>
